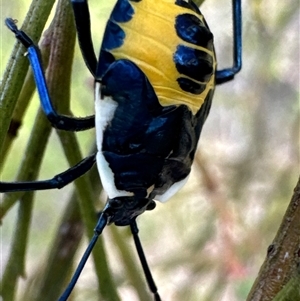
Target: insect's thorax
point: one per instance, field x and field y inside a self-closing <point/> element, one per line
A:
<point x="171" y="44"/>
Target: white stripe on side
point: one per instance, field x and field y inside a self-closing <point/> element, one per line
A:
<point x="104" y="113"/>
<point x="171" y="191"/>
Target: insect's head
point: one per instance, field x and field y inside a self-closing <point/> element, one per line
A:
<point x="122" y="210"/>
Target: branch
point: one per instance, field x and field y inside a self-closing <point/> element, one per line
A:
<point x="281" y="266"/>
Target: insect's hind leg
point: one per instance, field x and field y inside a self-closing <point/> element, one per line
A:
<point x="83" y="27"/>
<point x="62" y="122"/>
<point x="140" y="251"/>
<point x="101" y="224"/>
<point x="225" y="75"/>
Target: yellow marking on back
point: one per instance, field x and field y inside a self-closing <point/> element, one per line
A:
<point x="151" y="41"/>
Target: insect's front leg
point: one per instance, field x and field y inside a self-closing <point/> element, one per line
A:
<point x="227" y="74"/>
<point x="83" y="27"/>
<point x="59" y="121"/>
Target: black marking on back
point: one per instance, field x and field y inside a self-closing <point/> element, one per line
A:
<point x="189" y="5"/>
<point x="193" y="63"/>
<point x="191" y="29"/>
<point x="122" y="12"/>
<point x="191" y="86"/>
<point x="114" y="35"/>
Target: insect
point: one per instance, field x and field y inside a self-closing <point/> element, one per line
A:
<point x="151" y="101"/>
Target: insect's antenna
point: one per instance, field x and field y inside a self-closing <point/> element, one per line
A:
<point x="140" y="251"/>
<point x="102" y="222"/>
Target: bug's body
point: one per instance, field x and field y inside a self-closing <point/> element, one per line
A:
<point x="154" y="83"/>
<point x="156" y="88"/>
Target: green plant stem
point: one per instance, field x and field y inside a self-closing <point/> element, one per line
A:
<point x="17" y="67"/>
<point x="16" y="262"/>
<point x="28" y="171"/>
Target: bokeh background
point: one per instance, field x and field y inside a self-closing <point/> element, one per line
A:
<point x="209" y="241"/>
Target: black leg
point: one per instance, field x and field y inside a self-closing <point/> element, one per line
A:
<point x="225" y="75"/>
<point x="102" y="222"/>
<point x="83" y="26"/>
<point x="62" y="122"/>
<point x="140" y="251"/>
<point x="58" y="181"/>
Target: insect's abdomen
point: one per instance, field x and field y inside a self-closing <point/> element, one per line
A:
<point x="171" y="44"/>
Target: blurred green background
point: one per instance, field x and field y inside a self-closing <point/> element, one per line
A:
<point x="209" y="241"/>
